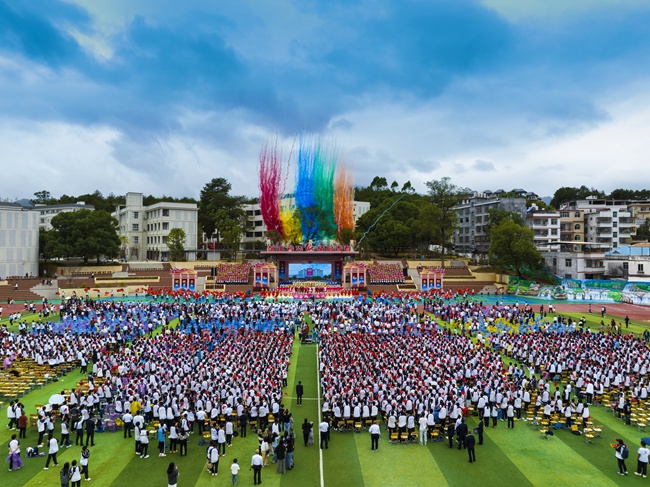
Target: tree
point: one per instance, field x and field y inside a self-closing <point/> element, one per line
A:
<point x="46" y="245"/>
<point x="566" y="194"/>
<point x="643" y="230"/>
<point x="124" y="243"/>
<point x="496" y="216"/>
<point x="345" y="236"/>
<point x="151" y="200"/>
<point x="215" y="197"/>
<point x="232" y="239"/>
<point x="176" y="243"/>
<point x="425" y="227"/>
<point x="96" y="199"/>
<point x="42" y="197"/>
<point x="379" y="183"/>
<point x="408" y="188"/>
<point x="84" y="233"/>
<point x="314" y="222"/>
<point x="393" y="232"/>
<point x="444" y="196"/>
<point x="394" y="185"/>
<point x="512" y="246"/>
<point x="630" y="194"/>
<point x="541" y="205"/>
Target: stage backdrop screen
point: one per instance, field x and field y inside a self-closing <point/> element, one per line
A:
<point x="310" y="272"/>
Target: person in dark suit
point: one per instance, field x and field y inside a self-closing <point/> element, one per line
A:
<point x="479" y="432"/>
<point x="306" y="429"/>
<point x="469" y="444"/>
<point x="90" y="432"/>
<point x="461" y="432"/>
<point x="243" y="424"/>
<point x="299" y="393"/>
<point x="451" y="428"/>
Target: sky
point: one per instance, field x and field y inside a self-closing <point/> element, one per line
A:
<point x="161" y="96"/>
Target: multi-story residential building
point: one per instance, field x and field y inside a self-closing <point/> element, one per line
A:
<point x="471" y="235"/>
<point x="47" y="212"/>
<point x="606" y="222"/>
<point x="545" y="225"/>
<point x="18" y="240"/>
<point x="630" y="262"/>
<point x="613" y="227"/>
<point x="256" y="230"/>
<point x="572" y="228"/>
<point x="640" y="211"/>
<point x="144" y="229"/>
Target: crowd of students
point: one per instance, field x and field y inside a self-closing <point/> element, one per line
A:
<point x="233" y="273"/>
<point x="225" y="364"/>
<point x="193" y="378"/>
<point x="385" y="274"/>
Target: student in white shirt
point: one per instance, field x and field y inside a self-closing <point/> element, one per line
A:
<point x="144" y="444"/>
<point x="375" y="431"/>
<point x="75" y="474"/>
<point x="256" y="465"/>
<point x="234" y="471"/>
<point x="53" y="448"/>
<point x="642" y="463"/>
<point x="423" y="429"/>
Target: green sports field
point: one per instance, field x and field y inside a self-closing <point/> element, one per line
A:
<point x="516" y="457"/>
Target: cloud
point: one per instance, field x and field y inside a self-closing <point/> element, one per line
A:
<point x="483" y="166"/>
<point x="423" y="166"/>
<point x="341" y="124"/>
<point x="408" y="89"/>
<point x="25" y="30"/>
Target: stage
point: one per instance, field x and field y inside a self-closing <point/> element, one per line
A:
<point x="314" y="263"/>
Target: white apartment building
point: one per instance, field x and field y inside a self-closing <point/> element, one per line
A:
<point x="546" y="228"/>
<point x="613" y="227"/>
<point x="18" y="240"/>
<point x="145" y="228"/>
<point x="47" y="212"/>
<point x="606" y="222"/>
<point x="257" y="229"/>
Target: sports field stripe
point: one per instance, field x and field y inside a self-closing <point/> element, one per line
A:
<point x="380" y="468"/>
<point x="492" y="466"/>
<point x="303" y="368"/>
<point x="546" y="461"/>
<point x="320" y="420"/>
<point x="341" y="461"/>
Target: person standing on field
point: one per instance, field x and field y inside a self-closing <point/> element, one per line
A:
<point x="375" y="431"/>
<point x="299" y="393"/>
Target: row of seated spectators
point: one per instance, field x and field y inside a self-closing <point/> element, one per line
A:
<point x="385" y="274"/>
<point x="233" y="273"/>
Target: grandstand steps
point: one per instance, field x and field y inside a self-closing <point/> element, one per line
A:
<point x="377" y="288"/>
<point x="144" y="266"/>
<point x="25" y="290"/>
<point x="415" y="276"/>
